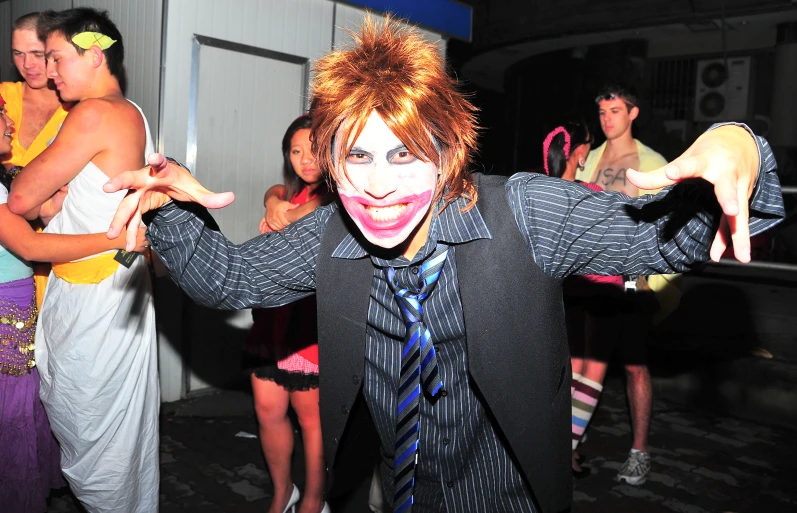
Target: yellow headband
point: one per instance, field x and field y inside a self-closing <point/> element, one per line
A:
<point x="86" y="40"/>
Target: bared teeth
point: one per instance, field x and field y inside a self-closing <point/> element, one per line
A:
<point x="390" y="213"/>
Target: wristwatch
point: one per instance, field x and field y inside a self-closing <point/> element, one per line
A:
<point x="629" y="283"/>
<point x="14" y="171"/>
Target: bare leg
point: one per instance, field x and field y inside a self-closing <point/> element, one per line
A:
<point x="640" y="400"/>
<point x="305" y="403"/>
<point x="577" y="364"/>
<point x="595" y="370"/>
<point x="276" y="437"/>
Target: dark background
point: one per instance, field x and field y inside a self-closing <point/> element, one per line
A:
<point x="533" y="94"/>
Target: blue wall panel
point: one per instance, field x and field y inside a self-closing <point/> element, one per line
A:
<point x="448" y="17"/>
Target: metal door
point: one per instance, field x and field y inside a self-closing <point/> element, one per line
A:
<point x="242" y="100"/>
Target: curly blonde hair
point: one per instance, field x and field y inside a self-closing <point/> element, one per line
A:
<point x="399" y="74"/>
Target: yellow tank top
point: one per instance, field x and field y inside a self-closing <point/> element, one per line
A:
<point x="19" y="156"/>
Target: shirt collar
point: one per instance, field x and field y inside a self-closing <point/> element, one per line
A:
<point x="451" y="226"/>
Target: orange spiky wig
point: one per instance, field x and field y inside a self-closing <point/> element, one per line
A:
<point x="398" y="73"/>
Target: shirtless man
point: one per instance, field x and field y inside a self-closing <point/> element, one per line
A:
<point x="96" y="347"/>
<point x="606" y="166"/>
<point x="35" y="97"/>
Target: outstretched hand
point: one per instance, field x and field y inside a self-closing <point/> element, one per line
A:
<point x="150" y="188"/>
<point x="727" y="157"/>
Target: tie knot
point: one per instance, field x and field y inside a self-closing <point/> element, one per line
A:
<point x="411" y="303"/>
<point x="427" y="275"/>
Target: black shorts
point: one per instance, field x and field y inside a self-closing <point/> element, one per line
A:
<point x="600" y="326"/>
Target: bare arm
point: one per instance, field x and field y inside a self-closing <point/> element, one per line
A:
<point x="275" y="218"/>
<point x="275" y="191"/>
<point x="78" y="142"/>
<point x="302" y="210"/>
<point x="281" y="213"/>
<point x="17" y="236"/>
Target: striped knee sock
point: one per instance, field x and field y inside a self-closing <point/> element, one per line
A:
<point x="576" y="378"/>
<point x="585" y="398"/>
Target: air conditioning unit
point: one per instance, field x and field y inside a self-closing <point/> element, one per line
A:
<point x="723" y="91"/>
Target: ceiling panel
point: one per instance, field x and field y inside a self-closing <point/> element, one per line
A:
<point x="502" y="22"/>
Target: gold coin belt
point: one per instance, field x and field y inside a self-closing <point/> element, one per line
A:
<point x="17" y="331"/>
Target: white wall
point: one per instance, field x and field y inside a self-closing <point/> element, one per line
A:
<point x="296" y="27"/>
<point x="21" y="7"/>
<point x="139" y="21"/>
<point x="200" y="348"/>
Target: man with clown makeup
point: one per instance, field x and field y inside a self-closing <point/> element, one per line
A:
<point x="439" y="297"/>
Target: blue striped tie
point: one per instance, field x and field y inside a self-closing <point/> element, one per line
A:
<point x="418" y="366"/>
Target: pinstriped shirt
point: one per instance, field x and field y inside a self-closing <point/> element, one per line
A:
<point x="463" y="464"/>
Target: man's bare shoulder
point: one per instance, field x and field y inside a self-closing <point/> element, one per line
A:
<point x="94" y="115"/>
<point x="108" y="105"/>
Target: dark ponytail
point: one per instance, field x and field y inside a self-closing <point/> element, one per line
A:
<point x="559" y="144"/>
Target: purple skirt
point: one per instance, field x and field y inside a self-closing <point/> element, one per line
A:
<point x="29" y="455"/>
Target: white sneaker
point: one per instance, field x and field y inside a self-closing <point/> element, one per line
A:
<point x="635" y="469"/>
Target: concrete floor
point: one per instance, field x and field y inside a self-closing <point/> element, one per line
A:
<point x="701" y="462"/>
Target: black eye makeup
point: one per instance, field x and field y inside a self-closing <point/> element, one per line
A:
<point x="399" y="155"/>
<point x="358" y="156"/>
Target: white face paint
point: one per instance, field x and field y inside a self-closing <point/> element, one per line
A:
<point x="389" y="190"/>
